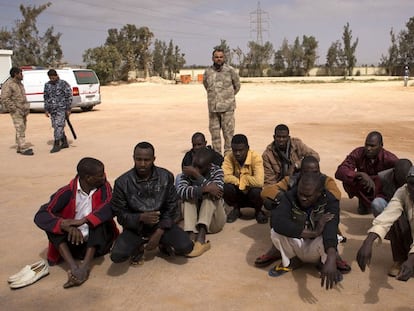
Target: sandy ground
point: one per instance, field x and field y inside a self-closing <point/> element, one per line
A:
<point x="332" y="118"/>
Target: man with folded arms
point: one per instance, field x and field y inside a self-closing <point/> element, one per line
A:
<point x="201" y="189"/>
<point x="78" y="221"/>
<point x="304" y="228"/>
<point x="145" y="203"/>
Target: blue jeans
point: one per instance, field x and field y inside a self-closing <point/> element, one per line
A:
<point x="378" y="205"/>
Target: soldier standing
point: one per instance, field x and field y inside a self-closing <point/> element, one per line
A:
<point x="14" y="99"/>
<point x="222" y="83"/>
<point x="58" y="100"/>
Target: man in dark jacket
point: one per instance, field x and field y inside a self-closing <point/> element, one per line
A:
<point x="304" y="228"/>
<point x="145" y="202"/>
<point x="78" y="221"/>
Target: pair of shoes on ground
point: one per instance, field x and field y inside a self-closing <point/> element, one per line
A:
<point x="199" y="249"/>
<point x="27" y="152"/>
<point x="261" y="218"/>
<point x="395" y="269"/>
<point x="233" y="215"/>
<point x="29" y="274"/>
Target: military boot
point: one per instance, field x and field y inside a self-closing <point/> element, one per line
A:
<point x="64" y="142"/>
<point x="56" y="146"/>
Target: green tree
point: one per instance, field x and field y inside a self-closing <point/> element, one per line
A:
<point x="158" y="58"/>
<point x="334" y="59"/>
<point x="349" y="49"/>
<point x="133" y="44"/>
<point x="406" y="43"/>
<point x="105" y="61"/>
<point x="309" y="45"/>
<point x="391" y="61"/>
<point x="258" y="57"/>
<point x="297" y="54"/>
<point x="29" y="47"/>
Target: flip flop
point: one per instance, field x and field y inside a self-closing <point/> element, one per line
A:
<point x="279" y="270"/>
<point x="74" y="281"/>
<point x="265" y="260"/>
<point x="343" y="266"/>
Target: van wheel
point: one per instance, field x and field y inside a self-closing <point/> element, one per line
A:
<point x="87" y="108"/>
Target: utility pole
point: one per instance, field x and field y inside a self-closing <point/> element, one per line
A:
<point x="256" y="23"/>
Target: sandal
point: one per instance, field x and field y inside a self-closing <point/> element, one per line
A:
<point x="343" y="266"/>
<point x="265" y="260"/>
<point x="279" y="270"/>
<point x="74" y="281"/>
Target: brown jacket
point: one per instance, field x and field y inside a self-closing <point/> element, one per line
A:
<point x="13" y="97"/>
<point x="272" y="163"/>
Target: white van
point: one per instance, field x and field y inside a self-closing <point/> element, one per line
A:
<point x="84" y="82"/>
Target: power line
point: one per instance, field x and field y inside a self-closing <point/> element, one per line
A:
<point x="256" y="18"/>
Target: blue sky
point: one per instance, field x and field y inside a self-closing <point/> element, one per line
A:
<point x="196" y="26"/>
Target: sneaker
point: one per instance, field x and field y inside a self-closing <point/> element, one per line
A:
<point x="27" y="152"/>
<point x="395" y="269"/>
<point x="233" y="215"/>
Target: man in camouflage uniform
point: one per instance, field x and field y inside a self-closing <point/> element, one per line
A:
<point x="222" y="84"/>
<point x="13" y="97"/>
<point x="58" y="100"/>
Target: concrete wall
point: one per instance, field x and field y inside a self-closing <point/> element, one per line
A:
<point x="317" y="71"/>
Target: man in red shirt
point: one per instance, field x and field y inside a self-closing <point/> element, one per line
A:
<point x="359" y="171"/>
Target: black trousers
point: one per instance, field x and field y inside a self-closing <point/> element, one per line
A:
<point x="400" y="238"/>
<point x="100" y="237"/>
<point x="129" y="241"/>
<point x="233" y="196"/>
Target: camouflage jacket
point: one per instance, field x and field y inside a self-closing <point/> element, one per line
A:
<point x="57" y="96"/>
<point x="13" y="97"/>
<point x="221" y="87"/>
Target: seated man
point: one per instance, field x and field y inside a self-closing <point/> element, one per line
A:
<point x="201" y="189"/>
<point x="198" y="140"/>
<point x="397" y="223"/>
<point x="271" y="197"/>
<point x="283" y="156"/>
<point x="145" y="201"/>
<point x="78" y="221"/>
<point x="304" y="228"/>
<point x="390" y="180"/>
<point x="243" y="179"/>
<point x="359" y="171"/>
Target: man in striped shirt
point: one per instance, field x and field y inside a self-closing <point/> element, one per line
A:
<point x="201" y="189"/>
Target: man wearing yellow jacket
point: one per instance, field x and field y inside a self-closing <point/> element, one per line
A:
<point x="243" y="179"/>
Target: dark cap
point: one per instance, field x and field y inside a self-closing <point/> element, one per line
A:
<point x="52" y="72"/>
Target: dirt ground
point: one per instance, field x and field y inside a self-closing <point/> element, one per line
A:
<point x="332" y="118"/>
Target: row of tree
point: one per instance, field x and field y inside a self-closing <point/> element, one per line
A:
<point x="131" y="49"/>
<point x="128" y="50"/>
<point x="295" y="59"/>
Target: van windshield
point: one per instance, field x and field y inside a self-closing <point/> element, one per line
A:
<point x="86" y="77"/>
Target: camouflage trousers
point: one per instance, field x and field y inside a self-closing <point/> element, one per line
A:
<point x="221" y="121"/>
<point x="19" y="122"/>
<point x="58" y="119"/>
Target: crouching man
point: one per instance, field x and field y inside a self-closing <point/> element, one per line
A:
<point x="78" y="221"/>
<point x="304" y="228"/>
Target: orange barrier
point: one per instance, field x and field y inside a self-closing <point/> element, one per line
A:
<point x="185" y="79"/>
<point x="200" y="78"/>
